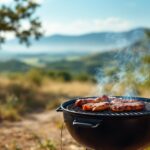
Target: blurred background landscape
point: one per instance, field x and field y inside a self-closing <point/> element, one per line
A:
<point x="80" y="51"/>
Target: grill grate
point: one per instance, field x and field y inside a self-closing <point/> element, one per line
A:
<point x="71" y="107"/>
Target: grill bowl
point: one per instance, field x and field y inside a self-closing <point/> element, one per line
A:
<point x="107" y="130"/>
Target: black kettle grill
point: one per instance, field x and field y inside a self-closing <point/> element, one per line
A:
<point x="108" y="130"/>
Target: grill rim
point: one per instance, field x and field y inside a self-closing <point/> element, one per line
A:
<point x="107" y="114"/>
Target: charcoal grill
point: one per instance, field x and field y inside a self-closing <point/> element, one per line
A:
<point x="108" y="130"/>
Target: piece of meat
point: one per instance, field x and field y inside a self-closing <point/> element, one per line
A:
<point x="102" y="98"/>
<point x="95" y="106"/>
<point x="81" y="102"/>
<point x="114" y="104"/>
<point x="101" y="106"/>
<point x="129" y="106"/>
<point x="117" y="100"/>
<point x="88" y="106"/>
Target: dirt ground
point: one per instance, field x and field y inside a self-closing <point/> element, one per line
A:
<point x="37" y="132"/>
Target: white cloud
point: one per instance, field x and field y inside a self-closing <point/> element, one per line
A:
<point x="85" y="26"/>
<point x="82" y="26"/>
<point x="5" y="1"/>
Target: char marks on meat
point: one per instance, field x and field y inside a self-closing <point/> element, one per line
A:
<point x="128" y="106"/>
<point x="113" y="104"/>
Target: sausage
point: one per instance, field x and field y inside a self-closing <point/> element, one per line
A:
<point x="95" y="106"/>
<point x="102" y="98"/>
<point x="117" y="100"/>
<point x="101" y="106"/>
<point x="88" y="106"/>
<point x="113" y="104"/>
<point x="81" y="102"/>
<point x="130" y="106"/>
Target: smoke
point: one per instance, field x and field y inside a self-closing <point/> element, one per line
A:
<point x="126" y="70"/>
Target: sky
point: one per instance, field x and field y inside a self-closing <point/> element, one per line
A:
<point x="83" y="16"/>
<point x="75" y="17"/>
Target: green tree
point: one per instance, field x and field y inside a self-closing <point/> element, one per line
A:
<point x="12" y="18"/>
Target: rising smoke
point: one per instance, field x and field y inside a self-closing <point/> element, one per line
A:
<point x="126" y="72"/>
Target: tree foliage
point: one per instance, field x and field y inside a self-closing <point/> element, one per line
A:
<point x="146" y="59"/>
<point x="19" y="19"/>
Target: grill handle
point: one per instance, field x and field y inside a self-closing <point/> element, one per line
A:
<point x="59" y="109"/>
<point x="86" y="124"/>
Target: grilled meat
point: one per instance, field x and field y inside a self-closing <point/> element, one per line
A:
<point x="128" y="106"/>
<point x="101" y="106"/>
<point x="117" y="100"/>
<point x="81" y="102"/>
<point x="88" y="106"/>
<point x="102" y="98"/>
<point x="114" y="104"/>
<point x="96" y="106"/>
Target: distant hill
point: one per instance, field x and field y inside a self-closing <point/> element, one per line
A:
<point x="13" y="66"/>
<point x="89" y="64"/>
<point x="101" y="38"/>
<point x="87" y="58"/>
<point x="97" y="42"/>
<point x="129" y="57"/>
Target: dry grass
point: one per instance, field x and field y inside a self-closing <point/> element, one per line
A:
<point x="71" y="89"/>
<point x="20" y="96"/>
<point x="44" y="133"/>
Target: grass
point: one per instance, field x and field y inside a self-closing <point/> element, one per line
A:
<point x="46" y="144"/>
<point x="71" y="89"/>
<point x="20" y="95"/>
<point x="41" y="144"/>
<point x="10" y="114"/>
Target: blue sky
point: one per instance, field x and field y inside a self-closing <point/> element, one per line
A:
<point x="81" y="16"/>
<point x="75" y="17"/>
<point x="69" y="10"/>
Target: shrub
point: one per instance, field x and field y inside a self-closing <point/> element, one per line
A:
<point x="146" y="59"/>
<point x="65" y="76"/>
<point x="84" y="78"/>
<point x="53" y="104"/>
<point x="35" y="76"/>
<point x="23" y="98"/>
<point x="15" y="89"/>
<point x="52" y="74"/>
<point x="9" y="113"/>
